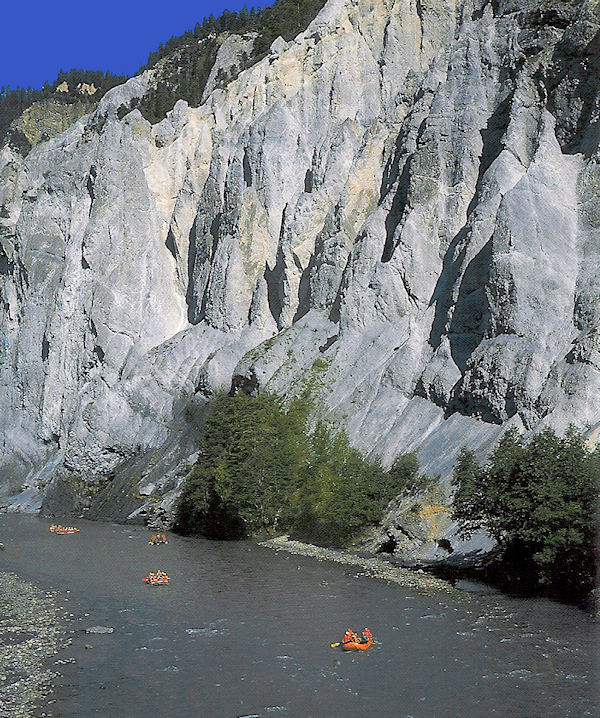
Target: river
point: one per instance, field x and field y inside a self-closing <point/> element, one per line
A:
<point x="246" y="631"/>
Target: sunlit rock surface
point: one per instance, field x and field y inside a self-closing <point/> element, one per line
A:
<point x="398" y="210"/>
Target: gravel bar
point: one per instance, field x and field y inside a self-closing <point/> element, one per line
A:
<point x="373" y="567"/>
<point x="32" y="631"/>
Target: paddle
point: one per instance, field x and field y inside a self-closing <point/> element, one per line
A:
<point x="335" y="645"/>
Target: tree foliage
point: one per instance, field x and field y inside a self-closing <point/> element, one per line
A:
<point x="193" y="54"/>
<point x="261" y="468"/>
<point x="13" y="102"/>
<point x="339" y="492"/>
<point x="405" y="476"/>
<point x="285" y="18"/>
<point x="249" y="458"/>
<point x="539" y="501"/>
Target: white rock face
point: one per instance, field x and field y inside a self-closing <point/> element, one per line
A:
<point x="404" y="201"/>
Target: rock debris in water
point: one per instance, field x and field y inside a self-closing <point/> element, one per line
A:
<point x="99" y="629"/>
<point x="374" y="567"/>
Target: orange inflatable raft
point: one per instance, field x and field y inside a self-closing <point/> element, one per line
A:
<point x="357" y="645"/>
<point x="156" y="579"/>
<point x="58" y="529"/>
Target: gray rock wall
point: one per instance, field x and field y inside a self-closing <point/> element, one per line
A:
<point x="400" y="209"/>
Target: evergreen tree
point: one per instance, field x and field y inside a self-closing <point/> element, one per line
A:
<point x="539" y="501"/>
<point x="405" y="478"/>
<point x="260" y="468"/>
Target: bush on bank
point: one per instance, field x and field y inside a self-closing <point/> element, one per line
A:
<point x="262" y="468"/>
<point x="539" y="499"/>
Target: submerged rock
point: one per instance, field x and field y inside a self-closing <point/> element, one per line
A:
<point x="99" y="629"/>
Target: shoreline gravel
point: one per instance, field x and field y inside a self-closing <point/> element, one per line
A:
<point x="373" y="567"/>
<point x="32" y="631"/>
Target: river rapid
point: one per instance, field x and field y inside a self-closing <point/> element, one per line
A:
<point x="246" y="631"/>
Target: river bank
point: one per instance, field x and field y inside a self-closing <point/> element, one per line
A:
<point x="33" y="629"/>
<point x="438" y="577"/>
<point x="373" y="567"/>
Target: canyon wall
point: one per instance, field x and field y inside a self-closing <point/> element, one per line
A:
<point x="397" y="211"/>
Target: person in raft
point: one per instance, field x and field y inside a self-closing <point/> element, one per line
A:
<point x="350" y="637"/>
<point x="366" y="636"/>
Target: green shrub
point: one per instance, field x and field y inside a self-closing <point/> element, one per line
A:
<point x="260" y="469"/>
<point x="340" y="493"/>
<point x="539" y="501"/>
<point x="405" y="477"/>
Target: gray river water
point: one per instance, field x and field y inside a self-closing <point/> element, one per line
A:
<point x="245" y="631"/>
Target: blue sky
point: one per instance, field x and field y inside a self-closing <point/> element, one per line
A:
<point x="41" y="37"/>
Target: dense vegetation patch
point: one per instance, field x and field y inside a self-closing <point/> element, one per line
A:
<point x="539" y="499"/>
<point x="261" y="468"/>
<point x="192" y="55"/>
<point x="285" y="18"/>
<point x="13" y="102"/>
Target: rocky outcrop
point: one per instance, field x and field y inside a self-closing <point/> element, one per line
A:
<point x="47" y="118"/>
<point x="399" y="208"/>
<point x="418" y="531"/>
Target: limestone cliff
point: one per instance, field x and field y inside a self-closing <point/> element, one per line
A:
<point x="400" y="206"/>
